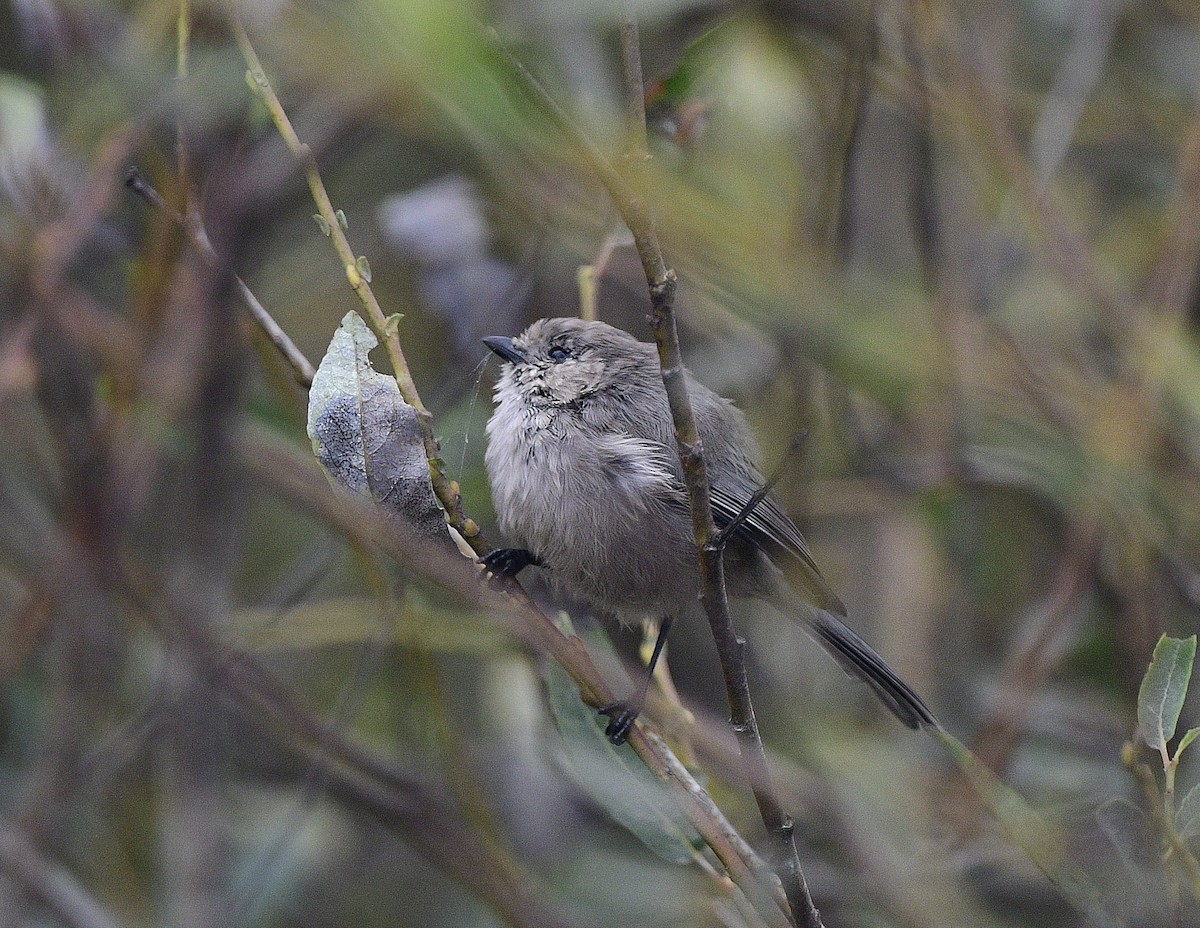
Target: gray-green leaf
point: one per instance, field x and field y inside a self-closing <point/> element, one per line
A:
<point x="614" y="777"/>
<point x="367" y="438"/>
<point x="1187" y="816"/>
<point x="1188" y="737"/>
<point x="1131" y="833"/>
<point x="1164" y="687"/>
<point x="1044" y="842"/>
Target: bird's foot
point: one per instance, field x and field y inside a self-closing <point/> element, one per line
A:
<point x="505" y="563"/>
<point x="621" y="716"/>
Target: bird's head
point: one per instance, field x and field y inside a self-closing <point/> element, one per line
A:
<point x="567" y="362"/>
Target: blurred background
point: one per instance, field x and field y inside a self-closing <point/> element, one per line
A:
<point x="957" y="243"/>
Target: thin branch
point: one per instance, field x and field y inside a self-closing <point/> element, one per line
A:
<point x="301" y="367"/>
<point x="730" y="646"/>
<point x="360" y="520"/>
<point x="569" y="652"/>
<point x="980" y="106"/>
<point x="341" y="764"/>
<point x="55" y="886"/>
<point x="937" y="267"/>
<point x="1173" y="280"/>
<point x="358" y="276"/>
<point x="835" y="212"/>
<point x="661" y="281"/>
<point x="1036" y="651"/>
<point x="1094" y="25"/>
<point x="635" y="86"/>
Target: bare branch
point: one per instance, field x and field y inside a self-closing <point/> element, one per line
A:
<point x="359" y="520"/>
<point x="730" y="646"/>
<point x="661" y="281"/>
<point x="300" y="365"/>
<point x="358" y="276"/>
<point x="51" y="883"/>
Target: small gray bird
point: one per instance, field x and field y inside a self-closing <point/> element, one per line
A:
<point x="586" y="479"/>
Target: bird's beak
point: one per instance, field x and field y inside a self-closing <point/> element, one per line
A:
<point x="503" y="346"/>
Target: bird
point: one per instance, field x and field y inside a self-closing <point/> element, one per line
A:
<point x="586" y="480"/>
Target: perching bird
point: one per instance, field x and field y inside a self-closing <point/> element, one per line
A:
<point x="586" y="480"/>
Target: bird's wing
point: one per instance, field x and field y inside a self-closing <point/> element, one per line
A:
<point x="767" y="526"/>
<point x="769" y="529"/>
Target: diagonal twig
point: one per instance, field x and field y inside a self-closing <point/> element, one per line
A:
<point x="55" y="886"/>
<point x="357" y="519"/>
<point x="661" y="281"/>
<point x="301" y="367"/>
<point x="568" y="651"/>
<point x="358" y="276"/>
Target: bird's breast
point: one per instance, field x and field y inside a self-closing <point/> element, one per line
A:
<point x="603" y="510"/>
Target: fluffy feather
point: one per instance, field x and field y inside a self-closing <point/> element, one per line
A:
<point x="584" y="474"/>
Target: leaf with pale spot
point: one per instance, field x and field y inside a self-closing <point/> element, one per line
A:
<point x="367" y="438"/>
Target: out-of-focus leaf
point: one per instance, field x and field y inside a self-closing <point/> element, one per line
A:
<point x="355" y="621"/>
<point x="614" y="777"/>
<point x="23" y="135"/>
<point x="1146" y="889"/>
<point x="1187" y="816"/>
<point x="677" y="101"/>
<point x="367" y="438"/>
<point x="684" y="81"/>
<point x="1163" y="689"/>
<point x="1132" y="835"/>
<point x="1044" y="842"/>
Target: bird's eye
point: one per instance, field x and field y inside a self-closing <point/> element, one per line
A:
<point x="558" y="353"/>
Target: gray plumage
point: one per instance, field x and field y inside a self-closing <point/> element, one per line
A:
<point x="584" y="473"/>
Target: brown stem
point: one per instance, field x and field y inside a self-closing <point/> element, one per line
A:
<point x="384" y="327"/>
<point x="359" y="520"/>
<point x="731" y="647"/>
<point x="662" y="283"/>
<point x="55" y="886"/>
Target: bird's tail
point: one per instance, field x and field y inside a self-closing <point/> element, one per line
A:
<point x="860" y="659"/>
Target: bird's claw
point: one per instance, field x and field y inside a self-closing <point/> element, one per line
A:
<point x="505" y="563"/>
<point x="621" y="716"/>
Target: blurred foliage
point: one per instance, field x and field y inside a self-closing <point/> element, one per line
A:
<point x="958" y="243"/>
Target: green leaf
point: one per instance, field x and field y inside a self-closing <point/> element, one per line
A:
<point x="321" y="224"/>
<point x="694" y="64"/>
<point x="614" y="777"/>
<point x="341" y="218"/>
<point x="359" y="621"/>
<point x="1044" y="842"/>
<point x="1138" y="845"/>
<point x="22" y="125"/>
<point x="392" y="323"/>
<point x="1187" y="816"/>
<point x="1188" y="737"/>
<point x="364" y="267"/>
<point x="367" y="438"/>
<point x="1164" y="687"/>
